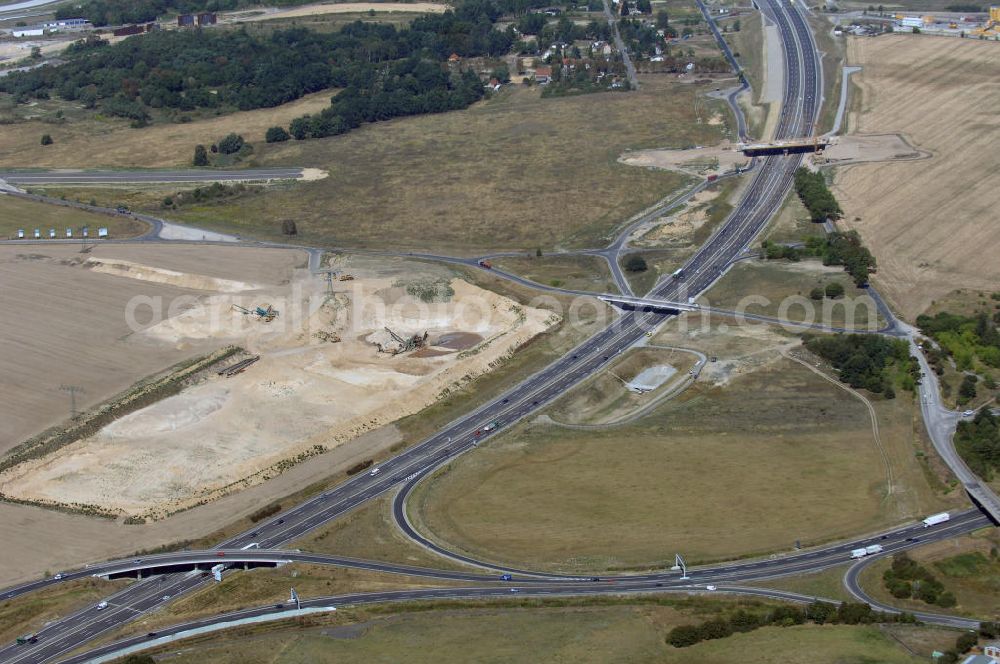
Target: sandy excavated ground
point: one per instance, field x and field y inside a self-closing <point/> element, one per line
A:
<point x="227" y="433"/>
<point x="66" y="325"/>
<point x="930" y="223"/>
<point x="679" y="227"/>
<point x="856" y="149"/>
<point x="698" y="161"/>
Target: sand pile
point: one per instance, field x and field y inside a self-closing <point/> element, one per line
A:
<point x="159" y="275"/>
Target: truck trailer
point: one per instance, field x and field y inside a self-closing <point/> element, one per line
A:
<point x="935" y="519"/>
<point x="859" y="553"/>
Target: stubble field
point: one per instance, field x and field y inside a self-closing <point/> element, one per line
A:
<point x="930" y="223"/>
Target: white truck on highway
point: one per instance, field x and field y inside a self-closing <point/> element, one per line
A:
<point x="867" y="551"/>
<point x="935" y="519"/>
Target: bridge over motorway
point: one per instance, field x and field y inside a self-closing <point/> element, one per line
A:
<point x="647" y="303"/>
<point x="791" y="146"/>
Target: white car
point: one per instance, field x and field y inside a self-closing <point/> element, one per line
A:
<point x="375" y="471"/>
<point x="710" y="588"/>
<point x="57" y="576"/>
<point x="102" y="606"/>
<point x="968" y="413"/>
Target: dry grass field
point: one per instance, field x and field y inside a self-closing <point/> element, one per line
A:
<point x="931" y="223"/>
<point x="18" y="213"/>
<point x="747" y="461"/>
<point x="90" y="142"/>
<point x="587" y="273"/>
<point x="784" y="288"/>
<point x="514" y="172"/>
<point x="585" y="634"/>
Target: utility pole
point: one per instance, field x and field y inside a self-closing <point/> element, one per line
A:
<point x="73" y="391"/>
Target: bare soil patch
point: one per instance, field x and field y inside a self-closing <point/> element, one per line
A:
<point x="699" y="161"/>
<point x="304" y="396"/>
<point x="930" y="223"/>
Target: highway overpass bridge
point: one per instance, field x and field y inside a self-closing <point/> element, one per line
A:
<point x="632" y="303"/>
<point x="793" y="146"/>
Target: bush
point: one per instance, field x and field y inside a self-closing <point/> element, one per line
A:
<point x="266" y="511"/>
<point x="834" y="290"/>
<point x="200" y="156"/>
<point x="276" y="135"/>
<point x="683" y="636"/>
<point x="636" y="263"/>
<point x="966" y="641"/>
<point x="46" y="139"/>
<point x="358" y="467"/>
<point x="816" y="293"/>
<point x="288" y="227"/>
<point x="231" y="144"/>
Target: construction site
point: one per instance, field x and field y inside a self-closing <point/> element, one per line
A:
<point x="327" y="356"/>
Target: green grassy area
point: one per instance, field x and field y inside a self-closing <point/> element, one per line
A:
<point x="19" y="213"/>
<point x="786" y="286"/>
<point x="697" y="476"/>
<point x="621" y="632"/>
<point x="967" y="566"/>
<point x="370" y="533"/>
<point x="589" y="273"/>
<point x="29" y="613"/>
<point x="516" y="171"/>
<point x="828" y="583"/>
<point x="792" y="223"/>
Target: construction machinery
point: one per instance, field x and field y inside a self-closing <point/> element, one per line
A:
<point x="264" y="312"/>
<point x="405" y="344"/>
<point x="346" y="277"/>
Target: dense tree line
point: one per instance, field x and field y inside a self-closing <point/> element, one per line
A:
<point x="867" y="360"/>
<point x="978" y="441"/>
<point x="844" y="249"/>
<point x="819" y="613"/>
<point x="409" y="87"/>
<point x="186" y="70"/>
<point x="965" y="338"/>
<point x="815" y="195"/>
<point x="906" y="579"/>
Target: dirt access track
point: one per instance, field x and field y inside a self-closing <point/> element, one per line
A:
<point x="306" y="395"/>
<point x="931" y="223"/>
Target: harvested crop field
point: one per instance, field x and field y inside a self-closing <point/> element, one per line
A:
<point x="931" y="223"/>
<point x="66" y="326"/>
<point x="321" y="380"/>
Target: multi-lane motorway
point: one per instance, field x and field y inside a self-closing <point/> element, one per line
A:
<point x="761" y="199"/>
